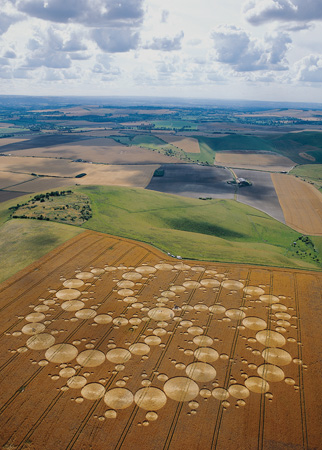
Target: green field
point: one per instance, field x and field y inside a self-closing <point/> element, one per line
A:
<point x="194" y="228"/>
<point x="216" y="230"/>
<point x="24" y="241"/>
<point x="173" y="124"/>
<point x="10" y="131"/>
<point x="312" y="173"/>
<point x="289" y="145"/>
<point x="151" y="142"/>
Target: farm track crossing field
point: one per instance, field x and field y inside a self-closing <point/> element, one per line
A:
<point x="254" y="160"/>
<point x="301" y="204"/>
<point x="106" y="343"/>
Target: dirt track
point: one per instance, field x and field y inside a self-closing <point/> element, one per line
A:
<point x="106" y="343"/>
<point x="301" y="204"/>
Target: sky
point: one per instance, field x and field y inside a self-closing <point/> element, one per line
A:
<point x="215" y="49"/>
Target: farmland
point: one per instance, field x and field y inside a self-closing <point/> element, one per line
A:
<point x="265" y="161"/>
<point x="107" y="337"/>
<point x="150" y="296"/>
<point x="312" y="173"/>
<point x="188" y="145"/>
<point x="195" y="228"/>
<point x="301" y="204"/>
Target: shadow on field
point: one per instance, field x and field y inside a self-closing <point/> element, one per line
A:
<point x="202" y="227"/>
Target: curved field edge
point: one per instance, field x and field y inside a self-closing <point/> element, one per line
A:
<point x="24" y="241"/>
<point x="218" y="230"/>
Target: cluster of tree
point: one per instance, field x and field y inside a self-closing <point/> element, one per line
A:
<point x="86" y="212"/>
<point x="42" y="197"/>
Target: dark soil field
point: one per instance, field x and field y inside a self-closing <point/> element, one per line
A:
<point x="9" y="195"/>
<point x="194" y="181"/>
<point x="108" y="344"/>
<point x="261" y="194"/>
<point x="41" y="141"/>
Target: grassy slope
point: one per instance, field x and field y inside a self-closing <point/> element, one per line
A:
<point x="310" y="173"/>
<point x="24" y="241"/>
<point x="187" y="227"/>
<point x="292" y="144"/>
<point x="218" y="230"/>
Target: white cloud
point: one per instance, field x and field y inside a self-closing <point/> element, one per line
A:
<point x="92" y="13"/>
<point x="309" y="69"/>
<point x="243" y="53"/>
<point x="55" y="48"/>
<point x="6" y="20"/>
<point x="164" y="16"/>
<point x="116" y="40"/>
<point x="10" y="54"/>
<point x="260" y="11"/>
<point x="166" y="44"/>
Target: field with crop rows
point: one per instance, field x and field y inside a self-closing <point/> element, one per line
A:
<point x="108" y="343"/>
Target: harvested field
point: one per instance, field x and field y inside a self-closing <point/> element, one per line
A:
<point x="97" y="174"/>
<point x="100" y="150"/>
<point x="40" y="166"/>
<point x="44" y="184"/>
<point x="261" y="195"/>
<point x="190" y="180"/>
<point x="187" y="144"/>
<point x="254" y="160"/>
<point x="44" y="140"/>
<point x="131" y="175"/>
<point x="9" y="179"/>
<point x="106" y="340"/>
<point x="8" y="141"/>
<point x="301" y="204"/>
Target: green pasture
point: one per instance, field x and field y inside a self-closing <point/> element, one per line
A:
<point x="216" y="230"/>
<point x="13" y="130"/>
<point x="173" y="124"/>
<point x="312" y="173"/>
<point x="23" y="241"/>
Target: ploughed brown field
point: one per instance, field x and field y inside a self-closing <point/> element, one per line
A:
<point x="301" y="204"/>
<point x="108" y="343"/>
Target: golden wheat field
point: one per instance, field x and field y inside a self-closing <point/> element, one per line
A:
<point x="254" y="160"/>
<point x="108" y="343"/>
<point x="16" y="174"/>
<point x="301" y="204"/>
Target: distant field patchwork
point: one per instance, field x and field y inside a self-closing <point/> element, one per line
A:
<point x="106" y="342"/>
